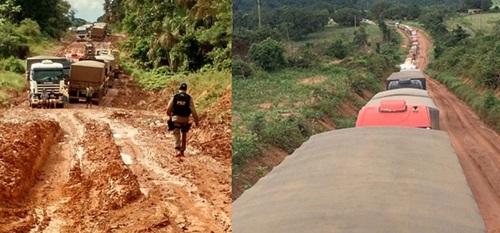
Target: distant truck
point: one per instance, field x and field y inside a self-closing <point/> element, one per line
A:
<point x="45" y="75"/>
<point x="81" y="33"/>
<point x="415" y="76"/>
<point x="110" y="67"/>
<point x="85" y="73"/>
<point x="99" y="31"/>
<point x="63" y="60"/>
<point x="407" y="66"/>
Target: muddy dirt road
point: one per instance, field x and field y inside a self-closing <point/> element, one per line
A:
<point x="113" y="168"/>
<point x="477" y="145"/>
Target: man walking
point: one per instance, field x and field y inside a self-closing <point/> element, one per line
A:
<point x="179" y="108"/>
<point x="89" y="92"/>
<point x="65" y="95"/>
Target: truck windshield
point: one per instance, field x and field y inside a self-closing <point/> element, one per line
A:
<point x="41" y="76"/>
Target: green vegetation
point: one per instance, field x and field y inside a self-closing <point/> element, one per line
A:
<point x="282" y="109"/>
<point x="487" y="105"/>
<point x="172" y="39"/>
<point x="474" y="23"/>
<point x="496" y="4"/>
<point x="184" y="36"/>
<point x="467" y="63"/>
<point x="324" y="73"/>
<point x="208" y="86"/>
<point x="268" y="54"/>
<point x="27" y="28"/>
<point x="10" y="81"/>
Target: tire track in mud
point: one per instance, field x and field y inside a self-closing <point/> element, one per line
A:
<point x="477" y="146"/>
<point x="159" y="172"/>
<point x="49" y="194"/>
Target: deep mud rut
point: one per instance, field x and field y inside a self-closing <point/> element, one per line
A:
<point x="477" y="145"/>
<point x="109" y="169"/>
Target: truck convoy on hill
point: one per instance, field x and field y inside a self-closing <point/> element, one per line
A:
<point x="74" y="72"/>
<point x="406" y="101"/>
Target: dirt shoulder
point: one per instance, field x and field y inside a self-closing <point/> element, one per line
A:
<point x="476" y="144"/>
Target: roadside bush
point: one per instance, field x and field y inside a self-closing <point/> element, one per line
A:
<point x="306" y="58"/>
<point x="30" y="29"/>
<point x="337" y="49"/>
<point x="13" y="46"/>
<point x="268" y="54"/>
<point x="244" y="147"/>
<point x="12" y="80"/>
<point x="241" y="69"/>
<point x="12" y="64"/>
<point x="287" y="133"/>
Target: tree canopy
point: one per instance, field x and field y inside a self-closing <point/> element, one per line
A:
<point x="184" y="35"/>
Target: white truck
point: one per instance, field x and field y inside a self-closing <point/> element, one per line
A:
<point x="408" y="66"/>
<point x="83" y="32"/>
<point x="48" y="76"/>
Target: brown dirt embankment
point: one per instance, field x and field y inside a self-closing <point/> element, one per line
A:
<point x="24" y="147"/>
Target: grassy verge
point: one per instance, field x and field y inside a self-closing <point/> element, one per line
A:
<point x="332" y="33"/>
<point x="207" y="86"/>
<point x="45" y="46"/>
<point x="282" y="109"/>
<point x="486" y="105"/>
<point x="474" y="23"/>
<point x="12" y="81"/>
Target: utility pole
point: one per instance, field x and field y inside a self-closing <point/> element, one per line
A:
<point x="258" y="10"/>
<point x="354" y="20"/>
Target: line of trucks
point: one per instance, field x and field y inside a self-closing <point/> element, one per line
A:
<point x="55" y="73"/>
<point x="95" y="31"/>
<point x="385" y="175"/>
<point x="406" y="101"/>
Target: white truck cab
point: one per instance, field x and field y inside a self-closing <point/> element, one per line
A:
<point x="49" y="76"/>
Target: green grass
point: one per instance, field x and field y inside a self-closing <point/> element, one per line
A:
<point x="485" y="105"/>
<point x="207" y="86"/>
<point x="44" y="47"/>
<point x="12" y="80"/>
<point x="284" y="108"/>
<point x="474" y="23"/>
<point x="279" y="109"/>
<point x="333" y="33"/>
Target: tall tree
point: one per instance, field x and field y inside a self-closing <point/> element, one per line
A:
<point x="114" y="11"/>
<point x="51" y="15"/>
<point x="182" y="34"/>
<point x="8" y="9"/>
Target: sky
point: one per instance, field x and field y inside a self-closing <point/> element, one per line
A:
<point x="89" y="10"/>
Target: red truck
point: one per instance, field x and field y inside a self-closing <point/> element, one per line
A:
<point x="395" y="112"/>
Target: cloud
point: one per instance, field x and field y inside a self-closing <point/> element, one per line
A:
<point x="89" y="10"/>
